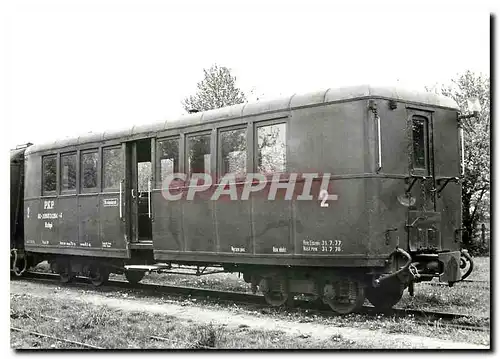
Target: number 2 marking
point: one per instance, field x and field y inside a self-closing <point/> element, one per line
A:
<point x="323" y="194"/>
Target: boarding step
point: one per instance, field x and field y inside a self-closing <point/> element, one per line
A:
<point x="141" y="245"/>
<point x="178" y="269"/>
<point x="147" y="267"/>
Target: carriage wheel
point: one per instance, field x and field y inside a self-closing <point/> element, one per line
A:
<point x="65" y="274"/>
<point x="383" y="298"/>
<point x="134" y="277"/>
<point x="275" y="290"/>
<point x="98" y="276"/>
<point x="344" y="295"/>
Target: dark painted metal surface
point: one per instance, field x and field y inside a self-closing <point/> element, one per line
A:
<point x="16" y="198"/>
<point x="424" y="230"/>
<point x="85" y="224"/>
<point x="397" y="159"/>
<point x="330" y="131"/>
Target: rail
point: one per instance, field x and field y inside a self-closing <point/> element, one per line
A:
<point x="55" y="338"/>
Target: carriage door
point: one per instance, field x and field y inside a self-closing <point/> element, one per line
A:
<point x="423" y="219"/>
<point x="138" y="185"/>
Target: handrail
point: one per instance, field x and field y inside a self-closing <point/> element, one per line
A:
<point x="461" y="131"/>
<point x="149" y="198"/>
<point x="379" y="140"/>
<point x="121" y="191"/>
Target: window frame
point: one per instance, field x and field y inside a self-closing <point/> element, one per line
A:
<point x="95" y="189"/>
<point x="187" y="168"/>
<point x="425" y="120"/>
<point x="61" y="155"/>
<point x="264" y="123"/>
<point x="219" y="161"/>
<point x="159" y="155"/>
<point x="43" y="191"/>
<point x="102" y="177"/>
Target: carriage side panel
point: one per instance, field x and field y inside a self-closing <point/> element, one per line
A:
<point x="331" y="139"/>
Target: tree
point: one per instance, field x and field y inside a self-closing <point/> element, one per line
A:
<point x="476" y="182"/>
<point x="217" y="89"/>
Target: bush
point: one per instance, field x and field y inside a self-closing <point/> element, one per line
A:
<point x="205" y="336"/>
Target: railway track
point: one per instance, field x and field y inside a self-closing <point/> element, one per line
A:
<point x="433" y="318"/>
<point x="478" y="283"/>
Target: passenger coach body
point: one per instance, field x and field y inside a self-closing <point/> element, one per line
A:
<point x="371" y="171"/>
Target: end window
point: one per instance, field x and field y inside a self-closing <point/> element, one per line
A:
<point x="419" y="137"/>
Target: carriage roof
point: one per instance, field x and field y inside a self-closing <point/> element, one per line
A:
<point x="330" y="95"/>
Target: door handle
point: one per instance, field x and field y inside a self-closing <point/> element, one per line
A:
<point x="132" y="193"/>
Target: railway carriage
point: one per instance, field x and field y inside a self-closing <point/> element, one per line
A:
<point x="375" y="205"/>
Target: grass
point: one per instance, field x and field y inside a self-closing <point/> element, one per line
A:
<point x="114" y="329"/>
<point x="481" y="269"/>
<point x="218" y="281"/>
<point x="400" y="325"/>
<point x="130" y="326"/>
<point x="463" y="298"/>
<point x="467" y="298"/>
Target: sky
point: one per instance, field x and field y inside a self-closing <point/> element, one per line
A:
<point x="73" y="67"/>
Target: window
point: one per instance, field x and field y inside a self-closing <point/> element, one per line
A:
<point x="169" y="157"/>
<point x="68" y="172"/>
<point x="49" y="165"/>
<point x="88" y="170"/>
<point x="143" y="176"/>
<point x="233" y="152"/>
<point x="198" y="148"/>
<point x="271" y="148"/>
<point x="419" y="129"/>
<point x="113" y="167"/>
